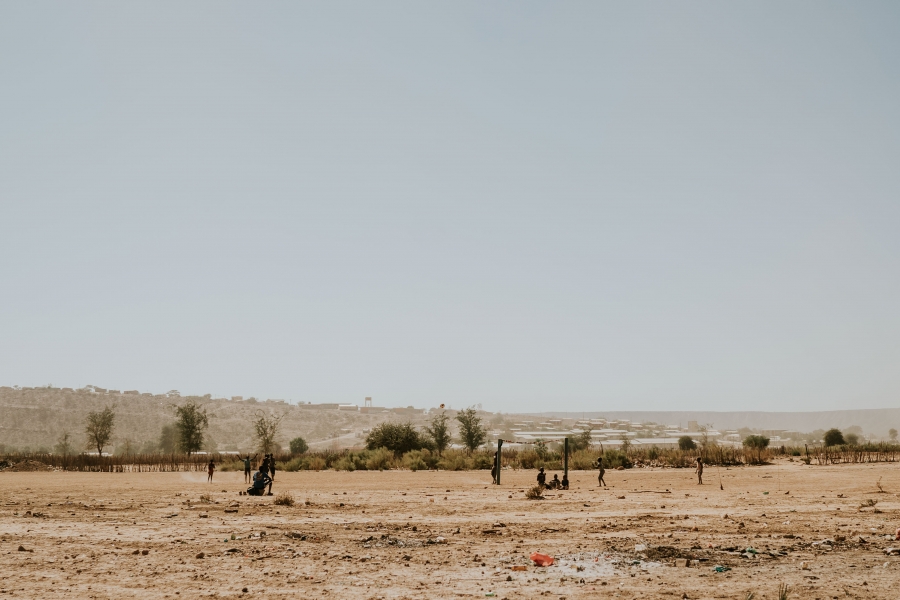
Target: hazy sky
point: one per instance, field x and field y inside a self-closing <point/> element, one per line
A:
<point x="529" y="205"/>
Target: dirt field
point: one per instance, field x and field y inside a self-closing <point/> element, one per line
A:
<point x="451" y="535"/>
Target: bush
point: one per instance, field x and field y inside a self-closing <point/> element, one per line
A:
<point x="535" y="493"/>
<point x="834" y="437"/>
<point x="284" y="499"/>
<point x="379" y="459"/>
<point x="316" y="463"/>
<point x="528" y="459"/>
<point x="616" y="458"/>
<point x="298" y="446"/>
<point x="414" y="460"/>
<point x="344" y="463"/>
<point x="398" y="438"/>
<point x="686" y="443"/>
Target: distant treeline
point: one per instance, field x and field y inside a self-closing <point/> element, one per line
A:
<point x="461" y="460"/>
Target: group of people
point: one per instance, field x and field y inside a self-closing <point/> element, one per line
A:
<point x="263" y="478"/>
<point x="555" y="484"/>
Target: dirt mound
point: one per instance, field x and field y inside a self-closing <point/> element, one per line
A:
<point x="25" y="466"/>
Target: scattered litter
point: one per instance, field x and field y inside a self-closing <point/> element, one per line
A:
<point x="518" y="568"/>
<point x="721" y="569"/>
<point x="541" y="560"/>
<point x="640" y="547"/>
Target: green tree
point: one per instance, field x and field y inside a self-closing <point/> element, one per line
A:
<point x="834" y="437"/>
<point x="471" y="432"/>
<point x="582" y="441"/>
<point x="892" y="433"/>
<point x="191" y="422"/>
<point x="399" y="438"/>
<point x="266" y="429"/>
<point x="758" y="443"/>
<point x="686" y="443"/>
<point x="99" y="428"/>
<point x="168" y="439"/>
<point x="439" y="432"/>
<point x="298" y="445"/>
<point x="852" y="439"/>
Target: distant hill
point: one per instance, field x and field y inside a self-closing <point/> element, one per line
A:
<point x="35" y="418"/>
<point x="874" y="421"/>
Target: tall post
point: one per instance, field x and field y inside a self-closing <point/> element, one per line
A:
<point x="497" y="460"/>
<point x="566" y="460"/>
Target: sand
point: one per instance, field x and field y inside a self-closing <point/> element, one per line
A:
<point x="411" y="535"/>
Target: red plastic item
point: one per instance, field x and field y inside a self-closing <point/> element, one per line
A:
<point x="541" y="560"/>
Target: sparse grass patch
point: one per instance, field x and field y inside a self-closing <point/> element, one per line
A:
<point x="284" y="499"/>
<point x="535" y="493"/>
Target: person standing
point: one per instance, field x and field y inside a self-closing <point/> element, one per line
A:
<point x="210" y="468"/>
<point x="699" y="471"/>
<point x="600" y="480"/>
<point x="248" y="476"/>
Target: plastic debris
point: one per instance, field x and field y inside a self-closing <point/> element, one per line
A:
<point x="541" y="560"/>
<point x="721" y="569"/>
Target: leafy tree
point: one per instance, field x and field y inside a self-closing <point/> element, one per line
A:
<point x="99" y="428"/>
<point x="834" y="437"/>
<point x="168" y="439"/>
<point x="399" y="438"/>
<point x="266" y="428"/>
<point x="758" y="443"/>
<point x="439" y="432"/>
<point x="298" y="445"/>
<point x="582" y="441"/>
<point x="63" y="445"/>
<point x="852" y="439"/>
<point x="191" y="423"/>
<point x="471" y="432"/>
<point x="686" y="443"/>
<point x="892" y="433"/>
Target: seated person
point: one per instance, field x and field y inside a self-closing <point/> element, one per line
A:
<point x="260" y="480"/>
<point x="564" y="485"/>
<point x="555" y="483"/>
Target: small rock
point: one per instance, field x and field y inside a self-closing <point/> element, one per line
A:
<point x="136" y="552"/>
<point x="200" y="555"/>
<point x="22" y="549"/>
<point x="145" y="552"/>
<point x="203" y="516"/>
<point x="244" y="590"/>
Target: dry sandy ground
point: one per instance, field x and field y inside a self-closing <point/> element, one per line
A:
<point x="375" y="535"/>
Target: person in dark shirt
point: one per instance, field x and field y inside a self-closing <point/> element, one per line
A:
<point x="260" y="480"/>
<point x="542" y="478"/>
<point x="602" y="472"/>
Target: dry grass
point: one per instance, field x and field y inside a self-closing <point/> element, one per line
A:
<point x="535" y="493"/>
<point x="284" y="499"/>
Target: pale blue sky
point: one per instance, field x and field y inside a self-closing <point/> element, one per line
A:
<point x="529" y="205"/>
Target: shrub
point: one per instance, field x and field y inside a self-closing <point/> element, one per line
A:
<point x="686" y="443"/>
<point x="316" y="463"/>
<point x="583" y="460"/>
<point x="284" y="499"/>
<point x="414" y="460"/>
<point x="398" y="438"/>
<point x="380" y="459"/>
<point x="344" y="463"/>
<point x="298" y="445"/>
<point x="834" y="437"/>
<point x="535" y="493"/>
<point x="528" y="459"/>
<point x="616" y="458"/>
